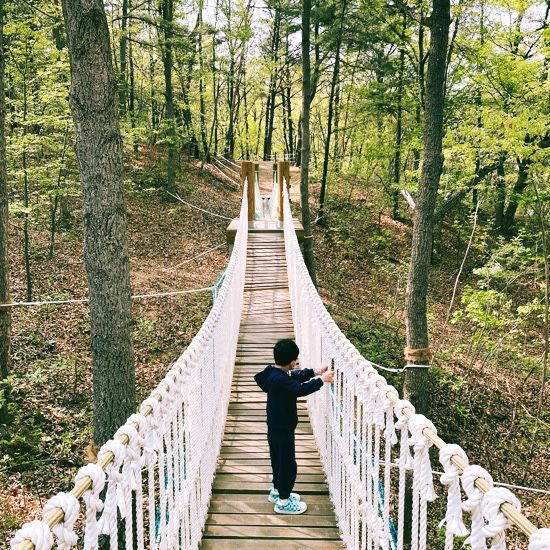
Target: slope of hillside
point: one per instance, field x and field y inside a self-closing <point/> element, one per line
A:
<point x="51" y="382"/>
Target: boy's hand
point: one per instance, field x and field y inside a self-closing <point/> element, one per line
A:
<point x="328" y="376"/>
<point x="320" y="370"/>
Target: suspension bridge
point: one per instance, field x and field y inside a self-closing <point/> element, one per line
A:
<point x="191" y="468"/>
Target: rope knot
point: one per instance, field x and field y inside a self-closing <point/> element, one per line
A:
<point x="114" y="497"/>
<point x="36" y="532"/>
<point x="421" y="445"/>
<point x="540" y="539"/>
<point x="405" y="457"/>
<point x="451" y="478"/>
<point x="64" y="532"/>
<point x="387" y="408"/>
<point x="497" y="522"/>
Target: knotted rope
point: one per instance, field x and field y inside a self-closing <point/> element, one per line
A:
<point x="451" y="478"/>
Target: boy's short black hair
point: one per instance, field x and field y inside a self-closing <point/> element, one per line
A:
<point x="285" y="351"/>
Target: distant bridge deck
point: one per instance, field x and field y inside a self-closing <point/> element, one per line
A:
<point x="240" y="515"/>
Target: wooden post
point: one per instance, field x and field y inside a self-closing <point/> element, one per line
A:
<point x="247" y="174"/>
<point x="287" y="176"/>
<point x="280" y="180"/>
<point x="274" y="172"/>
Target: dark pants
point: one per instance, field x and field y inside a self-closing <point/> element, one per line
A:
<point x="283" y="460"/>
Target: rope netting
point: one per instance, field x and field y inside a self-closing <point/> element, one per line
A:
<point x="363" y="429"/>
<point x="151" y="485"/>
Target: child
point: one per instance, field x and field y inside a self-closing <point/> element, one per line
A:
<point x="283" y="385"/>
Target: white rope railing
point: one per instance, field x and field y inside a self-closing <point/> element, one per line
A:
<point x="361" y="426"/>
<point x="152" y="482"/>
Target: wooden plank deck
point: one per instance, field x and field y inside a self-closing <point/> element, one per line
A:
<point x="240" y="515"/>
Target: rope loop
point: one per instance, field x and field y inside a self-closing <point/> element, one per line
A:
<point x="540" y="539"/>
<point x="115" y="495"/>
<point x="92" y="499"/>
<point x="421" y="445"/>
<point x="387" y="408"/>
<point x="37" y="532"/>
<point x="472" y="504"/>
<point x="451" y="478"/>
<point x="497" y="522"/>
<point x="64" y="531"/>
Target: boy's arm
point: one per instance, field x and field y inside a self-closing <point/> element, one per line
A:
<point x="302" y="375"/>
<point x="298" y="389"/>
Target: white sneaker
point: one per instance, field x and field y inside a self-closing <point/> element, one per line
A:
<point x="292" y="507"/>
<point x="274" y="495"/>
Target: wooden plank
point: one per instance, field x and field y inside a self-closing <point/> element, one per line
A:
<point x="310" y="520"/>
<point x="246" y="544"/>
<point x="269" y="532"/>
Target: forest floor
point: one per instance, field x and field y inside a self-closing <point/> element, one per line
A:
<point x="362" y="266"/>
<point x="51" y="386"/>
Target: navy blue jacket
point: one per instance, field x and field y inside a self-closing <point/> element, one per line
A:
<point x="282" y="391"/>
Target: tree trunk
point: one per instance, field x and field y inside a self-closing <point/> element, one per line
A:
<point x="202" y="102"/>
<point x="333" y="85"/>
<point x="132" y="100"/>
<point x="399" y="125"/>
<point x="274" y="76"/>
<point x="522" y="181"/>
<point x="500" y="193"/>
<point x="122" y="89"/>
<point x="305" y="150"/>
<point x="26" y="199"/>
<point x="5" y="315"/>
<point x="415" y="384"/>
<point x="98" y="148"/>
<point x="168" y="62"/>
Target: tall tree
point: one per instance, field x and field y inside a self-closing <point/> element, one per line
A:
<point x="202" y="102"/>
<point x="5" y="317"/>
<point x="273" y="82"/>
<point x="330" y="115"/>
<point x="308" y="91"/>
<point x="167" y="11"/>
<point x="415" y="384"/>
<point x="98" y="146"/>
<point x="123" y="52"/>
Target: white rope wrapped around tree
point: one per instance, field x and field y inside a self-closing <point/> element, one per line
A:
<point x="157" y="472"/>
<point x="357" y="417"/>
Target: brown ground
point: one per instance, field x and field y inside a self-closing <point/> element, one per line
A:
<point x="362" y="264"/>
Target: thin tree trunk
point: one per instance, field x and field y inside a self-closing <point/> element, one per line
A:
<point x="305" y="150"/>
<point x="415" y="384"/>
<point x="202" y="102"/>
<point x="168" y="62"/>
<point x="122" y="89"/>
<point x="98" y="148"/>
<point x="270" y="109"/>
<point x="333" y="85"/>
<point x="5" y="315"/>
<point x="26" y="239"/>
<point x="399" y="125"/>
<point x="132" y="100"/>
<point x="215" y="86"/>
<point x="500" y="185"/>
<point x="522" y="180"/>
<point x="60" y="173"/>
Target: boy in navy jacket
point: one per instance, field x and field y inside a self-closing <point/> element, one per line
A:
<point x="283" y="386"/>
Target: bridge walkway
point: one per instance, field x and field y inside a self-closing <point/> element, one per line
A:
<point x="240" y="515"/>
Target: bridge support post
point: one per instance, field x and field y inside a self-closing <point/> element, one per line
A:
<point x="247" y="175"/>
<point x="283" y="175"/>
<point x="280" y="179"/>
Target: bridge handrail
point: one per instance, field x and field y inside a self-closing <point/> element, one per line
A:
<point x="132" y="437"/>
<point x="359" y="386"/>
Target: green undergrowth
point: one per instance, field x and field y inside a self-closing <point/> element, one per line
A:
<point x="485" y="378"/>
